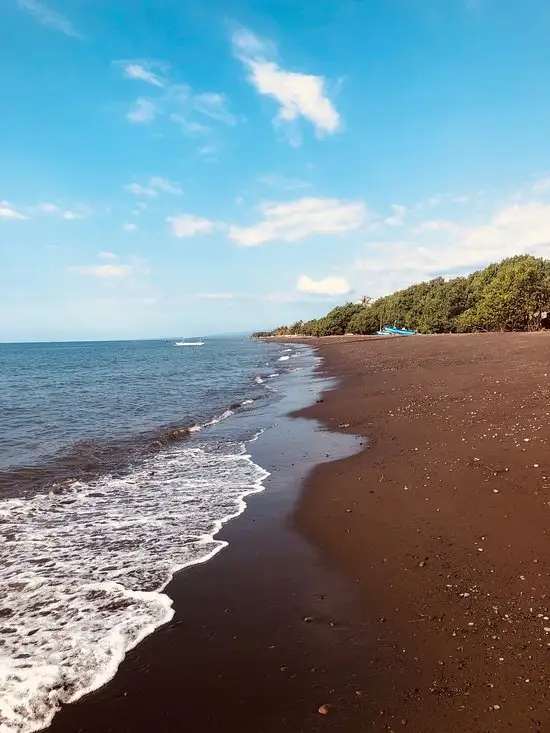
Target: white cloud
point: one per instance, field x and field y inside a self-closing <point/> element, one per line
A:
<point x="130" y="270"/>
<point x="129" y="227"/>
<point x="66" y="214"/>
<point x="513" y="229"/>
<point x="164" y="184"/>
<point x="48" y="208"/>
<point x="48" y="17"/>
<point x="6" y="212"/>
<point x="217" y="296"/>
<point x="178" y="101"/>
<point x="274" y="180"/>
<point x="188" y="225"/>
<point x="437" y="225"/>
<point x="190" y="127"/>
<point x="139" y="190"/>
<point x="541" y="184"/>
<point x="436" y="200"/>
<point x="298" y="95"/>
<point x="215" y="106"/>
<point x="143" y="111"/>
<point x="156" y="184"/>
<point x="208" y="153"/>
<point x="398" y="217"/>
<point x="106" y="272"/>
<point x="460" y="199"/>
<point x="334" y="285"/>
<point x="142" y="70"/>
<point x="295" y="220"/>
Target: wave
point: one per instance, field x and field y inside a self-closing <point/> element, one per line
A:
<point x="88" y="566"/>
<point x="284" y="358"/>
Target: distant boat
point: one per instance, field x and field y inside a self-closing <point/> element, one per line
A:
<point x="399" y="331"/>
<point x="189" y="343"/>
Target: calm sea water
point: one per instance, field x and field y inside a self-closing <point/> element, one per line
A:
<point x="119" y="462"/>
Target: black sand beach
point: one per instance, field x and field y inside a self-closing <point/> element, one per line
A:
<point x="404" y="588"/>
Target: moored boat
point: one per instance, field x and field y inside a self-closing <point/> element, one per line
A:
<point x="399" y="331"/>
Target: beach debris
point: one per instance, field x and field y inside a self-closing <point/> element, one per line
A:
<point x="324" y="709"/>
<point x="422" y="562"/>
<point x="307" y="619"/>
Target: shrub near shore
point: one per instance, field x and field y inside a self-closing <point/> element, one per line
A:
<point x="513" y="295"/>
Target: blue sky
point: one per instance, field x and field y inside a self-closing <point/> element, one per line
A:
<point x="183" y="168"/>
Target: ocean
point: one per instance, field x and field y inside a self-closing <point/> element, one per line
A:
<point x="119" y="462"/>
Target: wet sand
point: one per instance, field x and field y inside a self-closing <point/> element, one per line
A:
<point x="405" y="587"/>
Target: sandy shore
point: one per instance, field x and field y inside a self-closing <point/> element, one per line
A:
<point x="444" y="522"/>
<point x="406" y="587"/>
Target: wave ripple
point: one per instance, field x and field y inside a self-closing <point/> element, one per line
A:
<point x="85" y="566"/>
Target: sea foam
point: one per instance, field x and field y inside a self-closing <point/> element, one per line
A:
<point x="84" y="569"/>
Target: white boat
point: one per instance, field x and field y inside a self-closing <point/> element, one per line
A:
<point x="189" y="343"/>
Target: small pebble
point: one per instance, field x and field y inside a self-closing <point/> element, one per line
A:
<point x="323" y="710"/>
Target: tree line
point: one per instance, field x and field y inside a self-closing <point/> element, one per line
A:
<point x="512" y="295"/>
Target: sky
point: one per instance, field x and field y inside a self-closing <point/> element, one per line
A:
<point x="180" y="168"/>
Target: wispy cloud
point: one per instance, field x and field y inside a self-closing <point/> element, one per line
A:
<point x="182" y="105"/>
<point x="48" y="17"/>
<point x="129" y="227"/>
<point x="147" y="70"/>
<point x="131" y="269"/>
<point x="274" y="180"/>
<point x="166" y="185"/>
<point x="436" y="225"/>
<point x="189" y="225"/>
<point x="67" y="214"/>
<point x="106" y="272"/>
<point x="217" y="296"/>
<point x="398" y="217"/>
<point x="7" y="212"/>
<point x="208" y="153"/>
<point x="295" y="220"/>
<point x="189" y="127"/>
<point x="440" y="247"/>
<point x="215" y="106"/>
<point x="151" y="189"/>
<point x="143" y="111"/>
<point x="298" y="95"/>
<point x="334" y="285"/>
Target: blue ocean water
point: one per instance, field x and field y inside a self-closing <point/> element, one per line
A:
<point x="119" y="462"/>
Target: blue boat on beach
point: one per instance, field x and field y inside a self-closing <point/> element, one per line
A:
<point x="397" y="331"/>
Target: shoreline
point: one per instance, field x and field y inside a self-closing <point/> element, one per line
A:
<point x="231" y="618"/>
<point x="364" y="583"/>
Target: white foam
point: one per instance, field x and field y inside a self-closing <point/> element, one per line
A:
<point x="83" y="571"/>
<point x="283" y="358"/>
<point x="244" y="403"/>
<point x="259" y="380"/>
<point x="223" y="416"/>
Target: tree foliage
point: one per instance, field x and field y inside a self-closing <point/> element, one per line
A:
<point x="506" y="296"/>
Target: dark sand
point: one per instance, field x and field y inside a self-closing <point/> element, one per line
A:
<point x="406" y="589"/>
